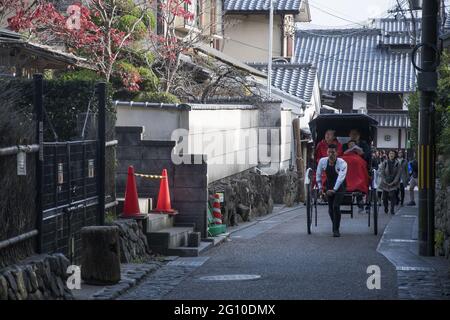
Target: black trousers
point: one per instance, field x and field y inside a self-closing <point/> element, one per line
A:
<point x="334" y="209"/>
<point x="389" y="197"/>
<point x="402" y="193"/>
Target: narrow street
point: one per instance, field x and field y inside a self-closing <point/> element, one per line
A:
<point x="290" y="263"/>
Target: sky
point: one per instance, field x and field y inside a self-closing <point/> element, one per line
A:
<point x="350" y="12"/>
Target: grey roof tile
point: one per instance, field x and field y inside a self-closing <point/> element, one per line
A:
<point x="295" y="79"/>
<point x="351" y="60"/>
<point x="261" y="5"/>
<point x="392" y="120"/>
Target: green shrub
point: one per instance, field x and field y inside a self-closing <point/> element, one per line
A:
<point x="149" y="81"/>
<point x="161" y="97"/>
<point x="126" y="23"/>
<point x="79" y="75"/>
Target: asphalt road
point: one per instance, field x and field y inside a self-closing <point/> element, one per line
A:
<point x="292" y="264"/>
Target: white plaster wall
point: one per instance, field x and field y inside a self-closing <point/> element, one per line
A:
<point x="393" y="132"/>
<point x="286" y="139"/>
<point x="158" y="124"/>
<point x="359" y="101"/>
<point x="246" y="37"/>
<point x="405" y="101"/>
<point x="227" y="137"/>
<point x="313" y="109"/>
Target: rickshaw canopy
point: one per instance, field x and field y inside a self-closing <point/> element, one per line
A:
<point x="342" y="123"/>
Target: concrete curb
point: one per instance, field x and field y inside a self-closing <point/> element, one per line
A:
<point x="266" y="217"/>
<point x="222" y="238"/>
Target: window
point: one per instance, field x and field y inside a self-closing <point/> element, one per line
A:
<point x="391" y="101"/>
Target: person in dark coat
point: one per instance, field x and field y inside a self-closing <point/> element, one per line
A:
<point x="390" y="182"/>
<point x="403" y="176"/>
<point x="413" y="182"/>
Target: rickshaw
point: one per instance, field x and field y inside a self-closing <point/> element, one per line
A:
<point x="342" y="123"/>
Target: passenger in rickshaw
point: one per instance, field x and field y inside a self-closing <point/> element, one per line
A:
<point x="322" y="146"/>
<point x="357" y="155"/>
<point x="363" y="147"/>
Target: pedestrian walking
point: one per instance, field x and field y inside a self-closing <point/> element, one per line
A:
<point x="404" y="176"/>
<point x="414" y="174"/>
<point x="376" y="160"/>
<point x="377" y="182"/>
<point x="390" y="181"/>
<point x="336" y="170"/>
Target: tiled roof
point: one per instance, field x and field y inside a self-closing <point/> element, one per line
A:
<point x="295" y="79"/>
<point x="392" y="120"/>
<point x="350" y="60"/>
<point x="261" y="5"/>
<point x="398" y="31"/>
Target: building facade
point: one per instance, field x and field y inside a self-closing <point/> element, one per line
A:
<point x="246" y="28"/>
<point x="366" y="70"/>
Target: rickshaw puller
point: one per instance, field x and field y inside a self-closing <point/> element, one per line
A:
<point x="336" y="171"/>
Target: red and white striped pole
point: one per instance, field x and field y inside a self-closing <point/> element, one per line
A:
<point x="216" y="210"/>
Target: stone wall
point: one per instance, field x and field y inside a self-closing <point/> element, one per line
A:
<point x="284" y="188"/>
<point x="249" y="194"/>
<point x="133" y="242"/>
<point x="442" y="225"/>
<point x="41" y="277"/>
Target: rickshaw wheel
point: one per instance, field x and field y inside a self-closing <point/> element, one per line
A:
<point x="309" y="203"/>
<point x="375" y="212"/>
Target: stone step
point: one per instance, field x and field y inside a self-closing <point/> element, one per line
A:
<point x="157" y="222"/>
<point x="160" y="241"/>
<point x="189" y="251"/>
<point x="145" y="204"/>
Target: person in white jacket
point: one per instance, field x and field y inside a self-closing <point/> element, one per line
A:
<point x="336" y="171"/>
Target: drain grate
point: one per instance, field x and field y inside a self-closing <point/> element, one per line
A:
<point x="231" y="277"/>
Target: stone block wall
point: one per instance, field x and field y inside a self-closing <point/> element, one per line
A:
<point x="133" y="242"/>
<point x="249" y="194"/>
<point x="442" y="223"/>
<point x="41" y="277"/>
<point x="187" y="182"/>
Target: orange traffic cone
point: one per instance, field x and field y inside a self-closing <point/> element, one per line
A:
<point x="216" y="210"/>
<point x="131" y="205"/>
<point x="163" y="204"/>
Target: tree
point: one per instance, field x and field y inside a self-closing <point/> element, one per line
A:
<point x="101" y="31"/>
<point x="442" y="117"/>
<point x="170" y="44"/>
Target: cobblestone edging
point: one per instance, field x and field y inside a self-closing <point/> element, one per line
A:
<point x="163" y="281"/>
<point x="429" y="285"/>
<point x="131" y="275"/>
<point x="41" y="277"/>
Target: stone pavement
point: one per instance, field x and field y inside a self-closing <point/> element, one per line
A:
<point x="273" y="257"/>
<point x="418" y="277"/>
<point x="131" y="275"/>
<point x="167" y="278"/>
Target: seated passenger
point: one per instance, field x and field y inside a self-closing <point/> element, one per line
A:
<point x="322" y="146"/>
<point x="352" y="147"/>
<point x="363" y="150"/>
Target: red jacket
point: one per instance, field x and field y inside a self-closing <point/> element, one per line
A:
<point x="321" y="149"/>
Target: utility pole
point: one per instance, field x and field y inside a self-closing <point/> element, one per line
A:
<point x="427" y="84"/>
<point x="269" y="62"/>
